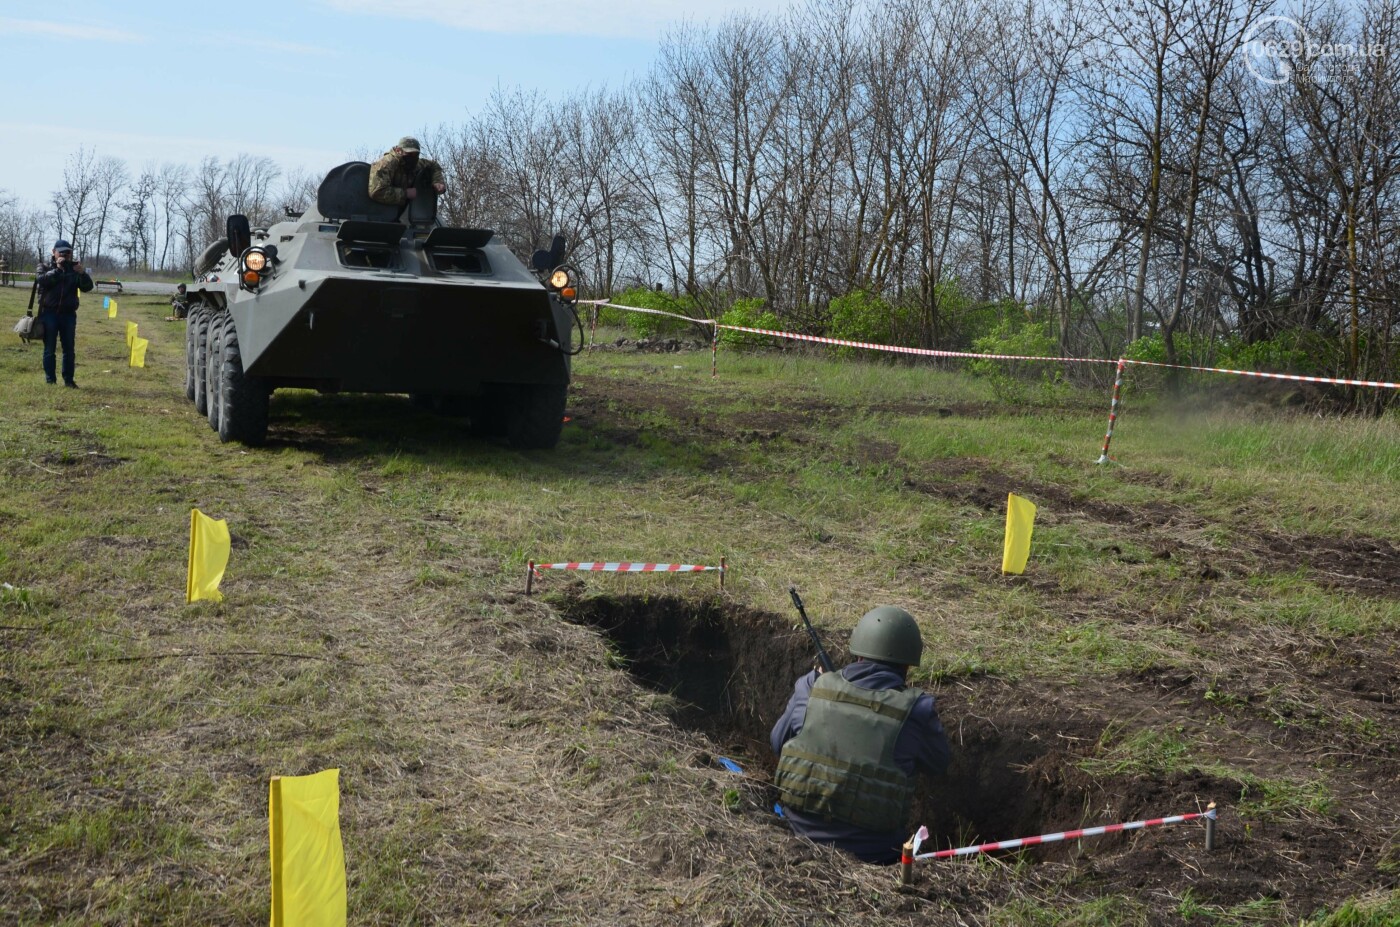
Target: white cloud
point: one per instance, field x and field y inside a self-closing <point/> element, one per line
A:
<point x="93" y="33"/>
<point x="636" y="19"/>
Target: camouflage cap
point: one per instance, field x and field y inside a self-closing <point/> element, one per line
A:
<point x="408" y="143"/>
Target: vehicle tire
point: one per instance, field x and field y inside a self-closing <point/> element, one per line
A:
<point x="243" y="400"/>
<point x="490" y="413"/>
<point x="201" y="362"/>
<point x="214" y="352"/>
<point x="538" y="416"/>
<point x="190" y="332"/>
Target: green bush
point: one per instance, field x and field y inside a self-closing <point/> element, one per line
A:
<point x="863" y="316"/>
<point x="748" y="313"/>
<point x="1292" y="351"/>
<point x="1197" y="351"/>
<point x="1018" y="333"/>
<point x="644" y="324"/>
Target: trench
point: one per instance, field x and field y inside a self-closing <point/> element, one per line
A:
<point x="730" y="670"/>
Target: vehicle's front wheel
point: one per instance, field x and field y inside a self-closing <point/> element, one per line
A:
<point x="191" y="332"/>
<point x="243" y="400"/>
<point x="201" y="362"/>
<point x="214" y="352"/>
<point x="537" y="416"/>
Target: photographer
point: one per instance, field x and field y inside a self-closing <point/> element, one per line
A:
<point x="59" y="283"/>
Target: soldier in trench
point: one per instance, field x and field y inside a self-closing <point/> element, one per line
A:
<point x="851" y="743"/>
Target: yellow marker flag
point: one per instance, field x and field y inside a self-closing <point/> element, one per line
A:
<point x="130" y="333"/>
<point x="1020" y="519"/>
<point x="308" y="860"/>
<point x="138" y="351"/>
<point x="209" y="546"/>
<point x="112" y="309"/>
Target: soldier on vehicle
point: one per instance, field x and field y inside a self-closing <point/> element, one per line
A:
<point x="394" y="179"/>
<point x="851" y="742"/>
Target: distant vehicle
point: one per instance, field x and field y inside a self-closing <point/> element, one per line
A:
<point x="353" y="296"/>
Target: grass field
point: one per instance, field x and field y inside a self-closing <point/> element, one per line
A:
<point x="1215" y="616"/>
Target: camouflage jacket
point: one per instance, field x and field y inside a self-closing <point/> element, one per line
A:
<point x="390" y="175"/>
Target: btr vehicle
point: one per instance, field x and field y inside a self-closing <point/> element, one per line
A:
<point x="359" y="296"/>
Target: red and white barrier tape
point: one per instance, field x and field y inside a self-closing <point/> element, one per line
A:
<point x="625" y="567"/>
<point x="674" y="315"/>
<point x="865" y="345"/>
<point x="922" y="835"/>
<point x="928" y="352"/>
<point x="922" y="352"/>
<point x="532" y="569"/>
<point x="1337" y="381"/>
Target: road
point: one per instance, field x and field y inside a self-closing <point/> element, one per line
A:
<point x="147" y="287"/>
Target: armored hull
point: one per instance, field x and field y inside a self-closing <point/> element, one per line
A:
<point x="353" y="297"/>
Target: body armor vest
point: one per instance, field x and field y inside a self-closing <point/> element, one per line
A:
<point x="841" y="766"/>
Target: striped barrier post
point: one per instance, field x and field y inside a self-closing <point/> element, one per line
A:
<point x="1112" y="410"/>
<point x="532" y="569"/>
<point x="714" y="351"/>
<point x="1209" y="815"/>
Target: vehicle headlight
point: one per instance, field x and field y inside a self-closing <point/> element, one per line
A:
<point x="255" y="260"/>
<point x="559" y="279"/>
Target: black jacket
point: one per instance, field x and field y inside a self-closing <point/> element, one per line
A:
<point x="59" y="286"/>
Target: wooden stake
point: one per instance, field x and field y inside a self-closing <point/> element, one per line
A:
<point x="906" y="864"/>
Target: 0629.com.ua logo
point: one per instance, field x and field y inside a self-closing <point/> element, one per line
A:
<point x="1277" y="47"/>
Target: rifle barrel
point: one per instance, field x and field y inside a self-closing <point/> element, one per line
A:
<point x="811" y="631"/>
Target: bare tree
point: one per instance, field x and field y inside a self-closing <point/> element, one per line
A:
<point x="73" y="203"/>
<point x="111" y="179"/>
<point x="209" y="201"/>
<point x="249" y="180"/>
<point x="172" y="186"/>
<point x="138" y="219"/>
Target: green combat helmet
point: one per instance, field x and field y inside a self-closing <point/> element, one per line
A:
<point x="888" y="634"/>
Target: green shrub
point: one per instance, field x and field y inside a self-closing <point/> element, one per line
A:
<point x="862" y="316"/>
<point x="1018" y="333"/>
<point x="748" y="313"/>
<point x="1292" y="351"/>
<point x="963" y="322"/>
<point x="646" y="325"/>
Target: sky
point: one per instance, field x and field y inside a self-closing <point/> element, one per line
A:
<point x="308" y="83"/>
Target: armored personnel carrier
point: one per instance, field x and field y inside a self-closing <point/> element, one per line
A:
<point x="358" y="296"/>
